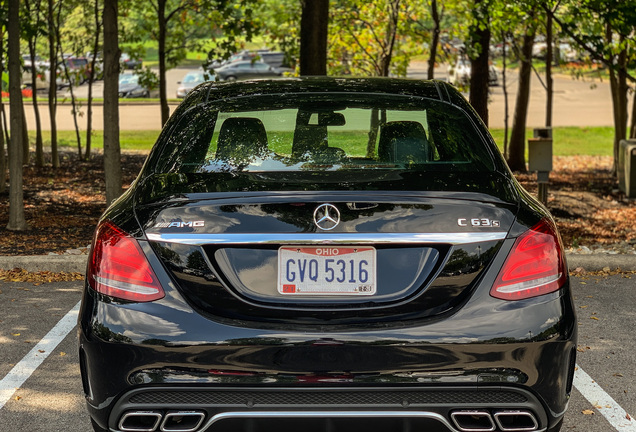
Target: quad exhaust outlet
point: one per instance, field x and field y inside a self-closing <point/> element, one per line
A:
<point x="151" y="421"/>
<point x="484" y="421"/>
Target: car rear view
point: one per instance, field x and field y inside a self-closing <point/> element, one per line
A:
<point x="326" y="254"/>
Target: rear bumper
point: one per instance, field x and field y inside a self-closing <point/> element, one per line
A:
<point x="164" y="358"/>
<point x="322" y="409"/>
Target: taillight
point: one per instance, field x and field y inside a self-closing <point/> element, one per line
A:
<point x="119" y="268"/>
<point x="535" y="265"/>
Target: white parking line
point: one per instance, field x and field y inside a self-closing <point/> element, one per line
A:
<point x="23" y="370"/>
<point x="603" y="402"/>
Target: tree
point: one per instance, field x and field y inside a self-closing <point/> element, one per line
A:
<point x="437" y="17"/>
<point x="516" y="155"/>
<point x="32" y="27"/>
<point x="314" y="25"/>
<point x="81" y="33"/>
<point x="605" y="30"/>
<point x="364" y="38"/>
<point x="112" y="150"/>
<point x="17" y="221"/>
<point x="53" y="21"/>
<point x="4" y="86"/>
<point x="479" y="49"/>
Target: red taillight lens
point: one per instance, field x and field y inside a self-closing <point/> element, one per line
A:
<point x="535" y="265"/>
<point x="119" y="268"/>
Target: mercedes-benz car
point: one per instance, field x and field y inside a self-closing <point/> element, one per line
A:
<point x="326" y="254"/>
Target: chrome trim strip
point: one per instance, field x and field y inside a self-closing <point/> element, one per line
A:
<point x="330" y="414"/>
<point x="328" y="239"/>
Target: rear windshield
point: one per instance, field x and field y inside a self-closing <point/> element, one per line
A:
<point x="324" y="132"/>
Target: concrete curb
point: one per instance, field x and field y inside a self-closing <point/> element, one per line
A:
<point x="596" y="262"/>
<point x="51" y="263"/>
<point x="77" y="263"/>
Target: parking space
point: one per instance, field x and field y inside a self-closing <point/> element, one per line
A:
<point x="50" y="398"/>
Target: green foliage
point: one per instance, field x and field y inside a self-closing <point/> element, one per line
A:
<point x="148" y="78"/>
<point x="372" y="38"/>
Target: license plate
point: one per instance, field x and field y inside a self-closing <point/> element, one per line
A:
<point x="330" y="270"/>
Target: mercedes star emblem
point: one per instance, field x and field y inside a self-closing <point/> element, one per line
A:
<point x="326" y="217"/>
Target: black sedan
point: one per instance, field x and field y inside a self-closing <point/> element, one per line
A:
<point x="326" y="254"/>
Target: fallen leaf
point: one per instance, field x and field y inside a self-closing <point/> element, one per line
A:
<point x="16" y="334"/>
<point x="18" y="397"/>
<point x="594" y="318"/>
<point x="62" y="353"/>
<point x="588" y="412"/>
<point x="627" y="417"/>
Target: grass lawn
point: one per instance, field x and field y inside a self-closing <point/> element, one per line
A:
<point x="568" y="141"/>
<point x="128" y="140"/>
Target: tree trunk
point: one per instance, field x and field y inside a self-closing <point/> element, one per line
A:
<point x="163" y="28"/>
<point x="480" y="35"/>
<point x="17" y="219"/>
<point x="516" y="157"/>
<point x="91" y="80"/>
<point x="389" y="38"/>
<point x="314" y="23"/>
<point x="434" y="39"/>
<point x="39" y="151"/>
<point x="632" y="128"/>
<point x="548" y="72"/>
<point x="112" y="151"/>
<point x="3" y="159"/>
<point x="504" y="86"/>
<point x="72" y="81"/>
<point x="55" y="159"/>
<point x="618" y="85"/>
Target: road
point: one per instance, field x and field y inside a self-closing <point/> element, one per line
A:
<point x="50" y="399"/>
<point x="576" y="103"/>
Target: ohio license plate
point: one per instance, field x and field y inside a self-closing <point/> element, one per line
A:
<point x="327" y="270"/>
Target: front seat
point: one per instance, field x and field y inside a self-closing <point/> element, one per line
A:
<point x="403" y="142"/>
<point x="241" y="140"/>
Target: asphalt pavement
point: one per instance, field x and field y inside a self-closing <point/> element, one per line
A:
<point x="50" y="398"/>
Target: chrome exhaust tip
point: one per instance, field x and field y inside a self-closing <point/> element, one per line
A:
<point x="182" y="421"/>
<point x="140" y="421"/>
<point x="473" y="421"/>
<point x="516" y="421"/>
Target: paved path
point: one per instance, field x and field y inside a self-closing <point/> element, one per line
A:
<point x="576" y="103"/>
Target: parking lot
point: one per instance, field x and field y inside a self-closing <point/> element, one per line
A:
<point x="39" y="357"/>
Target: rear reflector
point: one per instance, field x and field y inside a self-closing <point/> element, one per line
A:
<point x="535" y="265"/>
<point x="119" y="268"/>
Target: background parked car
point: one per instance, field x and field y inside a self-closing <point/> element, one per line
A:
<point x="130" y="87"/>
<point x="128" y="62"/>
<point x="246" y="69"/>
<point x="78" y="69"/>
<point x="43" y="75"/>
<point x="190" y="81"/>
<point x="459" y="74"/>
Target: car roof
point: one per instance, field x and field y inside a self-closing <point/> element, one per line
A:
<point x="430" y="89"/>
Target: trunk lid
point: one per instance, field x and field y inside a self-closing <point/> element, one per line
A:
<point x="232" y="253"/>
